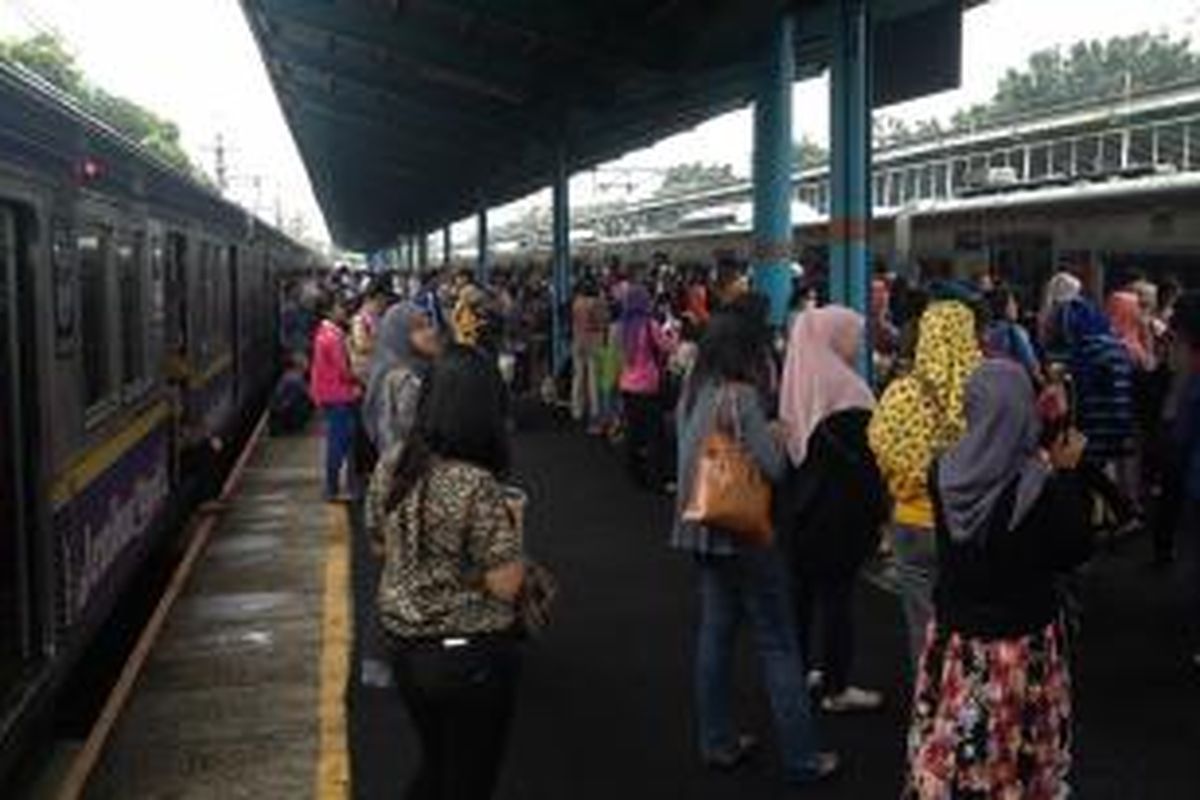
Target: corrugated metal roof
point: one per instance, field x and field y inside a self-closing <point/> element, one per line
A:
<point x="409" y="112"/>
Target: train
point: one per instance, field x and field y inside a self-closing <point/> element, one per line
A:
<point x="138" y="338"/>
<point x="1103" y="230"/>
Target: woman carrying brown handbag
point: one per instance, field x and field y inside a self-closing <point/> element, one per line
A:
<point x="739" y="578"/>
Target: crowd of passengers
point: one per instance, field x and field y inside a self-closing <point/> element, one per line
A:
<point x="983" y="457"/>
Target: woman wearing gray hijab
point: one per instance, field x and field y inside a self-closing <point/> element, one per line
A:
<point x="405" y="342"/>
<point x="992" y="709"/>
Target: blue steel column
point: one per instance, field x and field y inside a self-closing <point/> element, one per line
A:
<point x="561" y="265"/>
<point x="482" y="256"/>
<point x="850" y="139"/>
<point x="773" y="171"/>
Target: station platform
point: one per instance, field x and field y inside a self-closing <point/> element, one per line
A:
<point x="254" y="690"/>
<point x="248" y="673"/>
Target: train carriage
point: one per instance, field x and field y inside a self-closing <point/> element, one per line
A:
<point x="137" y="312"/>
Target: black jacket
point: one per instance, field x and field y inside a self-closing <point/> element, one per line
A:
<point x="1006" y="585"/>
<point x="830" y="510"/>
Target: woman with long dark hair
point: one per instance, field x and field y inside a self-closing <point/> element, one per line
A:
<point x="452" y="572"/>
<point x="740" y="581"/>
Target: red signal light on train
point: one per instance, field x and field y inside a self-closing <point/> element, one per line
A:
<point x="91" y="169"/>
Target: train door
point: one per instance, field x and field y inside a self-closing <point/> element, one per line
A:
<point x="16" y="618"/>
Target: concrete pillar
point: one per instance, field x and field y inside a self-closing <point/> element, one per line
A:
<point x="773" y="170"/>
<point x="482" y="256"/>
<point x="447" y="246"/>
<point x="850" y="138"/>
<point x="561" y="263"/>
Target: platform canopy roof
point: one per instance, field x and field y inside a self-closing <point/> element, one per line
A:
<point x="410" y="113"/>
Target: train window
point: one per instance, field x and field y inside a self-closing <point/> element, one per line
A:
<point x="1110" y="152"/>
<point x="158" y="301"/>
<point x="203" y="279"/>
<point x="925" y="189"/>
<point x="893" y="189"/>
<point x="1168" y="144"/>
<point x="1016" y="160"/>
<point x="940" y="172"/>
<point x="910" y="184"/>
<point x="877" y="189"/>
<point x="96" y="302"/>
<point x="959" y="175"/>
<point x="1060" y="158"/>
<point x="1141" y="146"/>
<point x="1039" y="161"/>
<point x="998" y="159"/>
<point x="130" y="274"/>
<point x="1191" y="145"/>
<point x="11" y="599"/>
<point x="1087" y="155"/>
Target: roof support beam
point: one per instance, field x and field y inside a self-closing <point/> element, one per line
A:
<point x="424" y="56"/>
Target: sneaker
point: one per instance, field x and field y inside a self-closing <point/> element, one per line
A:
<point x="822" y="767"/>
<point x="733" y="756"/>
<point x="851" y="700"/>
<point x="815" y="679"/>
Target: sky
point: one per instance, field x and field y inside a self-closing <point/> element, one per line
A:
<point x="195" y="61"/>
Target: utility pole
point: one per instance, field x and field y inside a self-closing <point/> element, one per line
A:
<point x="222" y="168"/>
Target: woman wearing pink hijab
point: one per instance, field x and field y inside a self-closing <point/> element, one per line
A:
<point x="1133" y="328"/>
<point x="835" y="501"/>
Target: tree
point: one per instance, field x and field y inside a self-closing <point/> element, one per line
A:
<point x="1095" y="70"/>
<point x="46" y="56"/>
<point x="1087" y="70"/>
<point x="694" y="177"/>
<point x="807" y="154"/>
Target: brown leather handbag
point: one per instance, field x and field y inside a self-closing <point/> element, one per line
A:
<point x="730" y="493"/>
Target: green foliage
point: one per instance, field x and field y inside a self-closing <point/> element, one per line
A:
<point x="694" y="177"/>
<point x="807" y="154"/>
<point x="46" y="56"/>
<point x="1086" y="71"/>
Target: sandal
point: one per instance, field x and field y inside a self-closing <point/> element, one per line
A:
<point x="733" y="756"/>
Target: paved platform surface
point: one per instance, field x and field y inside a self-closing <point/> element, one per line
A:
<point x="243" y="696"/>
<point x="606" y="711"/>
<point x="229" y="704"/>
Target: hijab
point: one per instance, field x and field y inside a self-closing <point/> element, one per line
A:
<point x="921" y="414"/>
<point x="1125" y="314"/>
<point x="1000" y="447"/>
<point x="1061" y="288"/>
<point x="393" y="349"/>
<point x="818" y="380"/>
<point x="947" y="353"/>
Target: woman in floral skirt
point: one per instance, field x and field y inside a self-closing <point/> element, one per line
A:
<point x="992" y="710"/>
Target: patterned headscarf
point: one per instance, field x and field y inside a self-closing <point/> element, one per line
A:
<point x="921" y="414"/>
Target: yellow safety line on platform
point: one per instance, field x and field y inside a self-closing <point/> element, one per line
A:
<point x="333" y="763"/>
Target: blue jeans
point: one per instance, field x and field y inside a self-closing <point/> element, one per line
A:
<point x="753" y="584"/>
<point x="341" y="422"/>
<point x="916" y="572"/>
